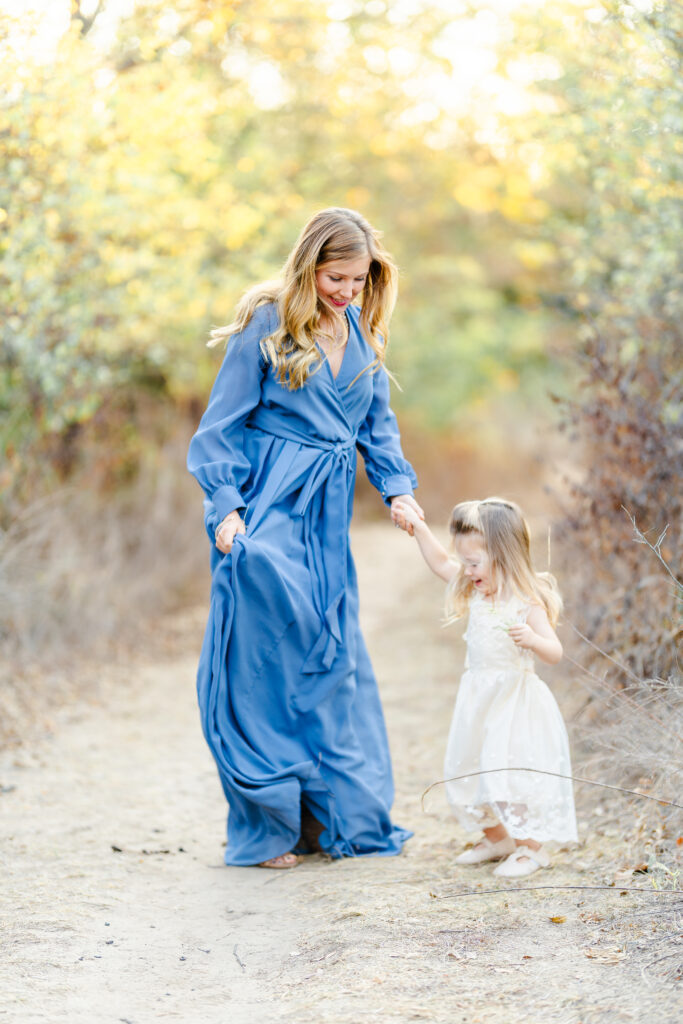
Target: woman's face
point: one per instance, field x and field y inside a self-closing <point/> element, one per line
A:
<point x="337" y="283"/>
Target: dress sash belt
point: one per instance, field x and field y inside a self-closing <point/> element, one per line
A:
<point x="323" y="504"/>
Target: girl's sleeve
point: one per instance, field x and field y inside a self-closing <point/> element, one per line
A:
<point x="379" y="443"/>
<point x="216" y="453"/>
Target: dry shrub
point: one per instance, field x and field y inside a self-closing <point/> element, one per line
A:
<point x="623" y="422"/>
<point x="624" y="596"/>
<point x="83" y="570"/>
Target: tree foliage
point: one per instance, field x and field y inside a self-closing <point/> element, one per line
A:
<point x="155" y="172"/>
<point x="615" y="141"/>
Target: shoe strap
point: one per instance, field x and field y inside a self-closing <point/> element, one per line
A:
<point x="537" y="856"/>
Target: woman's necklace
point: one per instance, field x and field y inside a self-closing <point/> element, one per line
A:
<point x="331" y="340"/>
<point x="334" y="346"/>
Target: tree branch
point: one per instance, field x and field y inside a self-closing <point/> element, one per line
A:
<point x="86" y="22"/>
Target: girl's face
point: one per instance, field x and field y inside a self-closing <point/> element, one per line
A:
<point x="337" y="283"/>
<point x="475" y="560"/>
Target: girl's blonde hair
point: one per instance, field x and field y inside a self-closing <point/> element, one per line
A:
<point x="505" y="537"/>
<point x="333" y="234"/>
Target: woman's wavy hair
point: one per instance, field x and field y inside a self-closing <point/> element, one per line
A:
<point x="333" y="234"/>
<point x="505" y="536"/>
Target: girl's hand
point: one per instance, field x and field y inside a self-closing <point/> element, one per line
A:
<point x="523" y="635"/>
<point x="406" y="513"/>
<point x="537" y="635"/>
<point x="227" y="530"/>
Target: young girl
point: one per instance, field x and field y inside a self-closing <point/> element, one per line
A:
<point x="505" y="717"/>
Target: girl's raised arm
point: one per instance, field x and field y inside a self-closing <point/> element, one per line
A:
<point x="433" y="551"/>
<point x="537" y="635"/>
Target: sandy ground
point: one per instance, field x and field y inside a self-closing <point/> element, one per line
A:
<point x="116" y="906"/>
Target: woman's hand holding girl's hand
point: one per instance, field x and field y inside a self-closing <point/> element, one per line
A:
<point x="226" y="531"/>
<point x="406" y="513"/>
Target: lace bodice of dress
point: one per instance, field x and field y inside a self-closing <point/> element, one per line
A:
<point x="488" y="643"/>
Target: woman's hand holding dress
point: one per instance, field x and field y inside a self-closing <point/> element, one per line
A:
<point x="227" y="530"/>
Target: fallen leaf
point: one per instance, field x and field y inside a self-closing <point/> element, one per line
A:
<point x="605" y="954"/>
<point x="679" y="841"/>
<point x="558" y="919"/>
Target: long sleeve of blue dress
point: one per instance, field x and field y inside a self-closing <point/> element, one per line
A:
<point x="216" y="455"/>
<point x="379" y="444"/>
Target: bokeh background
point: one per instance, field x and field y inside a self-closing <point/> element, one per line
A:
<point x="524" y="163"/>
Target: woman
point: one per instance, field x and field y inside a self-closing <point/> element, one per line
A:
<point x="288" y="700"/>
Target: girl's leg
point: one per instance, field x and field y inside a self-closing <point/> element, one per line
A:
<point x="531" y="844"/>
<point x="495" y="833"/>
<point x="495" y="845"/>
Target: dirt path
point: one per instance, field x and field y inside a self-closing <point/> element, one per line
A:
<point x="116" y="906"/>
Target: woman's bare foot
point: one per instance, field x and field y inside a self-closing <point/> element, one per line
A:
<point x="285" y="860"/>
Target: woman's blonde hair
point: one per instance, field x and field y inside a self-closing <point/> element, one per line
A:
<point x="505" y="537"/>
<point x="333" y="234"/>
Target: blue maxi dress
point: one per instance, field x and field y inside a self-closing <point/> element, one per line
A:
<point x="288" y="700"/>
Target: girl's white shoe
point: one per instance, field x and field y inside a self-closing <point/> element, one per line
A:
<point x="515" y="867"/>
<point x="485" y="850"/>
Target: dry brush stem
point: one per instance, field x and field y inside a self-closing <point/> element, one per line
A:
<point x="537" y="888"/>
<point x="557" y="775"/>
<point x="656" y="548"/>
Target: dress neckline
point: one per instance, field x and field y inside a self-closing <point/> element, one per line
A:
<point x="497" y="603"/>
<point x="325" y="355"/>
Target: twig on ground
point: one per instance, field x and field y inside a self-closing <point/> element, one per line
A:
<point x="236" y="956"/>
<point x="665" y="938"/>
<point x="667" y="956"/>
<point x="557" y="775"/>
<point x="534" y="888"/>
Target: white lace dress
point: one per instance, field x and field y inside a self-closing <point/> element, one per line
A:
<point x="506" y="717"/>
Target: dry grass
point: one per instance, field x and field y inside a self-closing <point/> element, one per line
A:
<point x="629" y="728"/>
<point x="81" y="571"/>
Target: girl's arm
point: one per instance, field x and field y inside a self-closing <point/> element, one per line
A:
<point x="537" y="635"/>
<point x="433" y="552"/>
